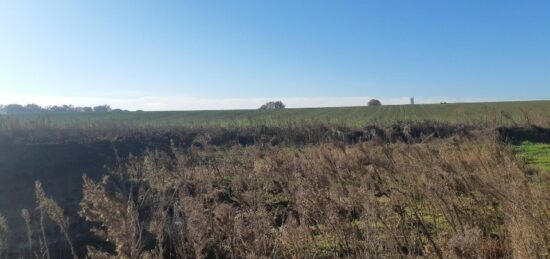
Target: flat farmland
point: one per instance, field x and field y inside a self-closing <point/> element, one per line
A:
<point x="495" y="113"/>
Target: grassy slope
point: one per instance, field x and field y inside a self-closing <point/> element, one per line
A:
<point x="498" y="112"/>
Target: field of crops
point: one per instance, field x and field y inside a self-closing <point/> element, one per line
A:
<point x="497" y="113"/>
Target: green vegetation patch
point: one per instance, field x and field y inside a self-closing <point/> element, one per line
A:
<point x="534" y="154"/>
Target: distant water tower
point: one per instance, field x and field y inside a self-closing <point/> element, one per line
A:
<point x="412" y="100"/>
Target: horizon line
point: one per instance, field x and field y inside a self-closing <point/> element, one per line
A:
<point x="174" y="103"/>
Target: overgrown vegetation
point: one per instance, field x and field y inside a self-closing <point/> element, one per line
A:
<point x="416" y="189"/>
<point x="455" y="197"/>
<point x="443" y="199"/>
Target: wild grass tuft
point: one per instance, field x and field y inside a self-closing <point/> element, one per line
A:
<point x="4" y="237"/>
<point x="28" y="227"/>
<point x="50" y="208"/>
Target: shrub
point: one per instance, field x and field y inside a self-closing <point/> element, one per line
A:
<point x="276" y="105"/>
<point x="374" y="102"/>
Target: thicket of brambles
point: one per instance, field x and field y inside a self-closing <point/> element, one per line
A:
<point x="411" y="190"/>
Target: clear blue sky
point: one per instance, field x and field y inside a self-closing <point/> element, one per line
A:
<point x="234" y="54"/>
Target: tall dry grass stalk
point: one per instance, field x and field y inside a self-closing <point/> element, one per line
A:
<point x="50" y="208"/>
<point x="4" y="237"/>
<point x="28" y="227"/>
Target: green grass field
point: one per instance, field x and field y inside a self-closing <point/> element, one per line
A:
<point x="497" y="113"/>
<point x="535" y="154"/>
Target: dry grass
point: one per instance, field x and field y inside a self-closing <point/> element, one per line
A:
<point x="397" y="192"/>
<point x="453" y="198"/>
<point x="4" y="236"/>
<point x="28" y="227"/>
<point x="49" y="207"/>
<point x="119" y="220"/>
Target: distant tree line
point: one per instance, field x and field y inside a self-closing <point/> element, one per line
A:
<point x="34" y="108"/>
